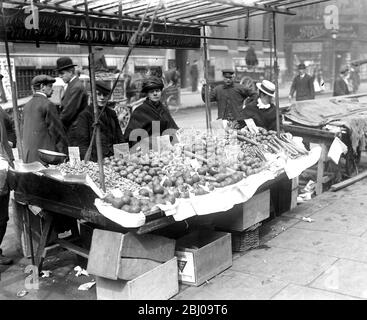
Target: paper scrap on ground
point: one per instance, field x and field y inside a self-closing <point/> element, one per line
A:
<point x="22" y="293"/>
<point x="80" y="271"/>
<point x="307" y="219"/>
<point x="337" y="148"/>
<point x="46" y="273"/>
<point x="86" y="286"/>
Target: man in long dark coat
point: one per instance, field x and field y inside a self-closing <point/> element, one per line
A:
<point x="302" y="85"/>
<point x="42" y="127"/>
<point x="230" y="97"/>
<point x="341" y="83"/>
<point x="74" y="101"/>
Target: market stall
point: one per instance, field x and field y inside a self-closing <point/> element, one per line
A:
<point x="338" y="122"/>
<point x="215" y="175"/>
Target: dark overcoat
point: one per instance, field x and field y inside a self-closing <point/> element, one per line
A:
<point x="74" y="101"/>
<point x="110" y="132"/>
<point x="143" y="116"/>
<point x="41" y="128"/>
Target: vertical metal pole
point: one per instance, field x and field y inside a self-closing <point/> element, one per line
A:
<point x="94" y="100"/>
<point x="276" y="70"/>
<point x="13" y="89"/>
<point x="206" y="88"/>
<point x="333" y="62"/>
<point x="271" y="49"/>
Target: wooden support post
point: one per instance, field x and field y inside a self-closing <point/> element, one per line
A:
<point x="43" y="241"/>
<point x="276" y="71"/>
<point x="321" y="169"/>
<point x="294" y="195"/>
<point x="206" y="88"/>
<point x="94" y="100"/>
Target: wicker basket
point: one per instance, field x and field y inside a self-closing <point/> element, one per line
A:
<point x="246" y="240"/>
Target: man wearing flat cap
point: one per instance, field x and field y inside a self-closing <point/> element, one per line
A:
<point x="229" y="97"/>
<point x="341" y="83"/>
<point x="109" y="125"/>
<point x="42" y="127"/>
<point x="75" y="98"/>
<point x="302" y="85"/>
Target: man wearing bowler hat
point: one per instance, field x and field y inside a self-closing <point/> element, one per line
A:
<point x="229" y="97"/>
<point x="261" y="108"/>
<point x="302" y="85"/>
<point x="75" y="98"/>
<point x="42" y="127"/>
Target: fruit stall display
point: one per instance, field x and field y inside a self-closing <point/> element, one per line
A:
<point x="139" y="182"/>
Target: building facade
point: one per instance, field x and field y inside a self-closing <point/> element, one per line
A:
<point x="307" y="38"/>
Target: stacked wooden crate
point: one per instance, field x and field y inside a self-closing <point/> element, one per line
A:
<point x="133" y="267"/>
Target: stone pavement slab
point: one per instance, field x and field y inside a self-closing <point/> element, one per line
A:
<point x="309" y="208"/>
<point x="296" y="292"/>
<point x="345" y="277"/>
<point x="272" y="228"/>
<point x="322" y="243"/>
<point x="283" y="264"/>
<point x="232" y="285"/>
<point x="339" y="218"/>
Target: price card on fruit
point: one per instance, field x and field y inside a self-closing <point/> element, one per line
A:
<point x="252" y="126"/>
<point x="74" y="155"/>
<point x="164" y="143"/>
<point x="121" y="149"/>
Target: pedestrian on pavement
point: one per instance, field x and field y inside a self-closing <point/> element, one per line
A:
<point x="109" y="125"/>
<point x="7" y="158"/>
<point x="151" y="110"/>
<point x="42" y="127"/>
<point x="341" y="83"/>
<point x="194" y="74"/>
<point x="354" y="77"/>
<point x="303" y="85"/>
<point x="261" y="108"/>
<point x="2" y="91"/>
<point x="74" y="100"/>
<point x="230" y="97"/>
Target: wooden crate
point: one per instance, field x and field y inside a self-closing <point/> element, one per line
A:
<point x="115" y="255"/>
<point x="243" y="216"/>
<point x="160" y="283"/>
<point x="202" y="254"/>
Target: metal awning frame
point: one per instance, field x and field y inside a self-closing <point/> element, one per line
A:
<point x="228" y="6"/>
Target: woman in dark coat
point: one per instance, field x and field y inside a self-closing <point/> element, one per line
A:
<point x="150" y="111"/>
<point x="110" y="128"/>
<point x="261" y="108"/>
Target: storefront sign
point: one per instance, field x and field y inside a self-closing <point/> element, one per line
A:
<point x="58" y="28"/>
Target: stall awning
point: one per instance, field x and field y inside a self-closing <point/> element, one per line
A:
<point x="170" y="12"/>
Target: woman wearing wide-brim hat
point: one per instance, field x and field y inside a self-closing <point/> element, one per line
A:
<point x="151" y="118"/>
<point x="261" y="108"/>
